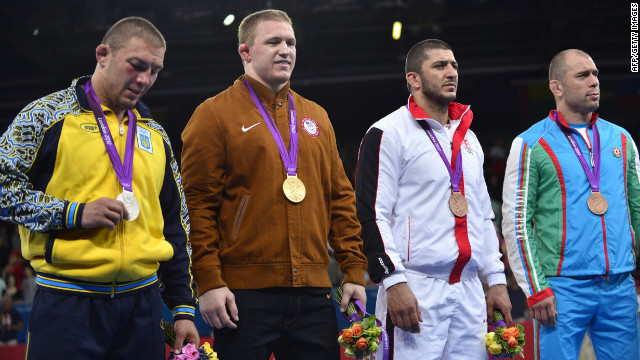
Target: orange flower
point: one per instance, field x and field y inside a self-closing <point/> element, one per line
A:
<point x="357" y="329"/>
<point x="362" y="344"/>
<point x="513" y="343"/>
<point x="514" y="331"/>
<point x="506" y="334"/>
<point x="346" y="335"/>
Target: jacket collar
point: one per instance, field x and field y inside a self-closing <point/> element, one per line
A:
<point x="143" y="111"/>
<point x="456" y="111"/>
<point x="264" y="93"/>
<point x="556" y="116"/>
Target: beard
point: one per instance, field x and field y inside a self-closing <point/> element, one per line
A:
<point x="434" y="94"/>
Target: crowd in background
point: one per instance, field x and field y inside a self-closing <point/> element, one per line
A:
<point x="17" y="279"/>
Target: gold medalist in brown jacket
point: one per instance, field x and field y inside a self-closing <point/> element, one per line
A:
<point x="244" y="232"/>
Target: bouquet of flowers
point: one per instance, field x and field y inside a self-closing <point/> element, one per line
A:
<point x="503" y="342"/>
<point x="361" y="339"/>
<point x="189" y="352"/>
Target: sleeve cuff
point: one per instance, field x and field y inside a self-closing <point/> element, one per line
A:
<point x="496" y="279"/>
<point x="355" y="275"/>
<point x="208" y="278"/>
<point x="393" y="279"/>
<point x="183" y="312"/>
<point x="73" y="215"/>
<point x="533" y="299"/>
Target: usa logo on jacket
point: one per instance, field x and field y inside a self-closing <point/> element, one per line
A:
<point x="310" y="126"/>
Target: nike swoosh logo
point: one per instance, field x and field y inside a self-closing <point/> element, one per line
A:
<point x="244" y="129"/>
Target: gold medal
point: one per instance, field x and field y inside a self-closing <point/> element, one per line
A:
<point x="597" y="203"/>
<point x="293" y="189"/>
<point x="458" y="204"/>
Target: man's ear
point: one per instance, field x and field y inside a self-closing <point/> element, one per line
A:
<point x="556" y="87"/>
<point x="243" y="50"/>
<point x="414" y="80"/>
<point x="102" y="52"/>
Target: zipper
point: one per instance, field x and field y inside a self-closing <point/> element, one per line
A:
<point x="120" y="227"/>
<point x="121" y="129"/>
<point x="113" y="288"/>
<point x="606" y="251"/>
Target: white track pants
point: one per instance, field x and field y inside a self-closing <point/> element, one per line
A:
<point x="454" y="321"/>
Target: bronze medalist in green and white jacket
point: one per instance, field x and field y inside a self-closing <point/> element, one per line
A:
<point x="548" y="227"/>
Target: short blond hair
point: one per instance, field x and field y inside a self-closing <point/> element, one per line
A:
<point x="246" y="30"/>
<point x="133" y="26"/>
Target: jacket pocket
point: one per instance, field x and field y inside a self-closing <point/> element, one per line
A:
<point x="48" y="250"/>
<point x="239" y="215"/>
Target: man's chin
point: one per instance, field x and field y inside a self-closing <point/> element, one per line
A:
<point x="591" y="107"/>
<point x="445" y="100"/>
<point x="129" y="104"/>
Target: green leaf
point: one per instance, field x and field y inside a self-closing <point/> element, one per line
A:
<point x="169" y="332"/>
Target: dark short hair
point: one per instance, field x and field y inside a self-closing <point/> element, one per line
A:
<point x="133" y="26"/>
<point x="558" y="67"/>
<point x="246" y="30"/>
<point x="419" y="53"/>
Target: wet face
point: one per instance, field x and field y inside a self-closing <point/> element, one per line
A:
<point x="579" y="89"/>
<point x="128" y="73"/>
<point x="272" y="56"/>
<point x="439" y="77"/>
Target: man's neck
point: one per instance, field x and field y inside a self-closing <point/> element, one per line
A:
<point x="435" y="111"/>
<point x="572" y="117"/>
<point x="275" y="88"/>
<point x="98" y="88"/>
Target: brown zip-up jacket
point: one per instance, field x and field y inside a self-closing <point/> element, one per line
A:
<point x="245" y="234"/>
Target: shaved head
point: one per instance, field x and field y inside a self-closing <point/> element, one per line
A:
<point x="558" y="67"/>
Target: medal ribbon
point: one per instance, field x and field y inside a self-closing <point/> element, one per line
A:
<point x="458" y="136"/>
<point x="290" y="159"/>
<point x="124" y="172"/>
<point x="454" y="175"/>
<point x="592" y="175"/>
<point x="460" y="227"/>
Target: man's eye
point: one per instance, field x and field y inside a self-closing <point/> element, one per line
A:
<point x="139" y="67"/>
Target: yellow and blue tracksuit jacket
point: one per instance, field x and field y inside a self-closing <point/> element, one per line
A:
<point x="53" y="161"/>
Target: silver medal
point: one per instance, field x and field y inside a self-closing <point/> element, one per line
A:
<point x="130" y="203"/>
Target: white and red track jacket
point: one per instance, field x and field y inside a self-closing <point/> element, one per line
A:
<point x="402" y="193"/>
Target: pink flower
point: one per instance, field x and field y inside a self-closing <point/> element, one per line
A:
<point x="189" y="352"/>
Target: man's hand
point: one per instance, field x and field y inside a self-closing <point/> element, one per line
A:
<point x="403" y="308"/>
<point x="352" y="291"/>
<point x="185" y="332"/>
<point x="213" y="307"/>
<point x="105" y="212"/>
<point x="545" y="311"/>
<point x="498" y="298"/>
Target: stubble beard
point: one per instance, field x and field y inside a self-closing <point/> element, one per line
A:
<point x="435" y="97"/>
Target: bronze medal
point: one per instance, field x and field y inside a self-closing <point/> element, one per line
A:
<point x="458" y="204"/>
<point x="597" y="203"/>
<point x="293" y="189"/>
